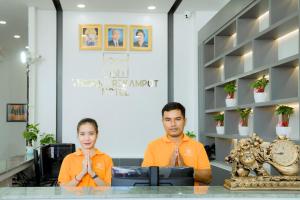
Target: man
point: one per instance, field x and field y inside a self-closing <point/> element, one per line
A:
<point x="177" y="149"/>
<point x="115" y="39"/>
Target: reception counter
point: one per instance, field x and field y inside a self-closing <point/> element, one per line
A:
<point x="162" y="192"/>
<point x="11" y="166"/>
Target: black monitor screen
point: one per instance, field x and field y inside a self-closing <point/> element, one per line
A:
<point x="51" y="157"/>
<point x="130" y="176"/>
<point x="146" y="176"/>
<point x="176" y="176"/>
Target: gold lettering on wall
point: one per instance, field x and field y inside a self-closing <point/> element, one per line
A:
<point x="118" y="86"/>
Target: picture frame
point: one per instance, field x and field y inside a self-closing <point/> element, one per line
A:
<point x="115" y="37"/>
<point x="140" y="38"/>
<point x="90" y="36"/>
<point x="16" y="112"/>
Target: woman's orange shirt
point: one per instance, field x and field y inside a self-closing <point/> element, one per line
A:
<point x="72" y="166"/>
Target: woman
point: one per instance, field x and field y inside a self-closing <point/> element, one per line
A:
<point x="140" y="35"/>
<point x="87" y="166"/>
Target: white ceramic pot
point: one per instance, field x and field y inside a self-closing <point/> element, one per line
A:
<point x="230" y="102"/>
<point x="283" y="130"/>
<point x="260" y="97"/>
<point x="29" y="150"/>
<point x="220" y="130"/>
<point x="243" y="130"/>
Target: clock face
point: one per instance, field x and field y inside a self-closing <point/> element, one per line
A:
<point x="284" y="152"/>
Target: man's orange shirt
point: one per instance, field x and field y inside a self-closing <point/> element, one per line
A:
<point x="72" y="166"/>
<point x="159" y="153"/>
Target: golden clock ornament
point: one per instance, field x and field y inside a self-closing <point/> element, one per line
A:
<point x="250" y="154"/>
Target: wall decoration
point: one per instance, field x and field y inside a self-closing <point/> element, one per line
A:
<point x="16" y="112"/>
<point x="116" y="65"/>
<point x="140" y="38"/>
<point x="90" y="36"/>
<point x="115" y="37"/>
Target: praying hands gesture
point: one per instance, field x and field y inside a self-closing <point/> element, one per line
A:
<point x="176" y="159"/>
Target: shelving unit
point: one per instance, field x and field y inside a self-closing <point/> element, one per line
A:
<point x="263" y="39"/>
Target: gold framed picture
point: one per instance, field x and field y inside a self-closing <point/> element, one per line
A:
<point x="115" y="37"/>
<point x="140" y="38"/>
<point x="16" y="112"/>
<point x="90" y="36"/>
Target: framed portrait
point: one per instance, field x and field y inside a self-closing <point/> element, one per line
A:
<point x="115" y="37"/>
<point x="16" y="112"/>
<point x="90" y="36"/>
<point x="140" y="38"/>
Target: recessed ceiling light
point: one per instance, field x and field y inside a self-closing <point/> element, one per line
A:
<point x="2" y="22"/>
<point x="151" y="7"/>
<point x="81" y="6"/>
<point x="17" y="36"/>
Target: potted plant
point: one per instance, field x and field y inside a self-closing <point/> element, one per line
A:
<point x="243" y="125"/>
<point x="30" y="134"/>
<point x="284" y="113"/>
<point x="259" y="86"/>
<point x="191" y="134"/>
<point x="230" y="89"/>
<point x="47" y="138"/>
<point x="219" y="118"/>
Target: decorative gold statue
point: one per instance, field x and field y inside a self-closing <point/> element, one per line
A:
<point x="250" y="154"/>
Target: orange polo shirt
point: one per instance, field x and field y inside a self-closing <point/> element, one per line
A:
<point x="159" y="153"/>
<point x="72" y="166"/>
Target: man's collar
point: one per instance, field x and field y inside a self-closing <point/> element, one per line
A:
<point x="166" y="139"/>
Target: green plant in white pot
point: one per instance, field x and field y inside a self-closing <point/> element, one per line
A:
<point x="230" y="89"/>
<point x="47" y="138"/>
<point x="30" y="134"/>
<point x="244" y="117"/>
<point x="284" y="113"/>
<point x="259" y="86"/>
<point x="219" y="118"/>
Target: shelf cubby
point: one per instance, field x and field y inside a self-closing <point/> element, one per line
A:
<point x="210" y="124"/>
<point x="253" y="21"/>
<point x="215" y="72"/>
<point x="281" y="9"/>
<point x="264" y="52"/>
<point x="210" y="98"/>
<point x="238" y="61"/>
<point x="265" y="122"/>
<point x="294" y="120"/>
<point x="284" y="80"/>
<point x="231" y="121"/>
<point x="245" y="94"/>
<point x="220" y="96"/>
<point x="225" y="39"/>
<point x="209" y="50"/>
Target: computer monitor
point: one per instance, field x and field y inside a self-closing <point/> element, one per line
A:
<point x="152" y="176"/>
<point x="176" y="176"/>
<point x="51" y="157"/>
<point x="130" y="176"/>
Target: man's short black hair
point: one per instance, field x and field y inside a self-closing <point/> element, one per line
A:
<point x="173" y="106"/>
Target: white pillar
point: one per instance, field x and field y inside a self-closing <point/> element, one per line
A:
<point x="32" y="68"/>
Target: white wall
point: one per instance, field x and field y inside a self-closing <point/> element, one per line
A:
<point x="12" y="90"/>
<point x="127" y="124"/>
<point x="45" y="105"/>
<point x="186" y="63"/>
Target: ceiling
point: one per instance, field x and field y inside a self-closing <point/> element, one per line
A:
<point x="15" y="13"/>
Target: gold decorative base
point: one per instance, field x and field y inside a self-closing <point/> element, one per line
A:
<point x="263" y="183"/>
